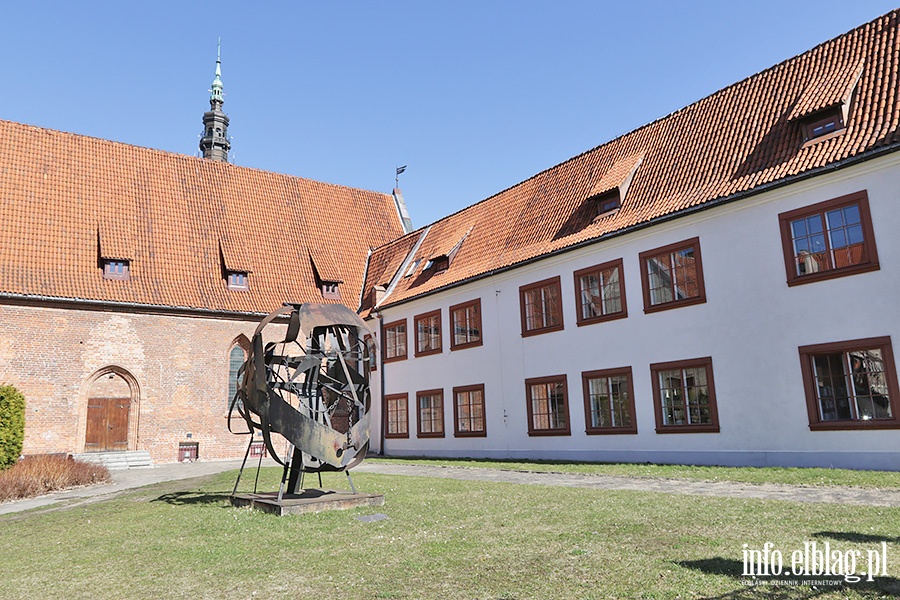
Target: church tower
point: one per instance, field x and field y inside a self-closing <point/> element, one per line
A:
<point x="214" y="142"/>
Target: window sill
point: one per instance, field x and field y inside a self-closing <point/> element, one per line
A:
<point x="822" y="138"/>
<point x="466" y="345"/>
<point x="550" y="432"/>
<point x="674" y="304"/>
<point x="687" y="429"/>
<point x="532" y="332"/>
<point x="833" y="273"/>
<point x="395" y="359"/>
<point x="429" y="352"/>
<point x="602" y="318"/>
<point x="612" y="431"/>
<point x="855" y="425"/>
<point x="396" y="436"/>
<point x="470" y="434"/>
<point x="430" y="435"/>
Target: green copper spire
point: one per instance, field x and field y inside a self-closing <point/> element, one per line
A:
<point x="217" y="90"/>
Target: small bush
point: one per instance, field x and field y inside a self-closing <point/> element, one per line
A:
<point x="12" y="425"/>
<point x="36" y="475"/>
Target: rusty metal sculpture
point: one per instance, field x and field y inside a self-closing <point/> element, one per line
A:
<point x="312" y="388"/>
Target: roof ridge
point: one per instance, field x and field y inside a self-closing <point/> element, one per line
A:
<point x="179" y="155"/>
<point x="887" y="15"/>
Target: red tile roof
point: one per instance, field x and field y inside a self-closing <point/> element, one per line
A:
<point x="732" y="143"/>
<point x="67" y="201"/>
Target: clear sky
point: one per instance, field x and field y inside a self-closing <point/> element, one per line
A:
<point x="474" y="96"/>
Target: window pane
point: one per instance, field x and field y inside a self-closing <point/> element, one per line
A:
<point x="590" y="296"/>
<point x="834" y="218"/>
<point x="671" y="397"/>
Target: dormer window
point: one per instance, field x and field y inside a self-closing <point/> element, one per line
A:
<point x="330" y="290"/>
<point x="238" y="280"/>
<point x="412" y="267"/>
<point x="823" y="123"/>
<point x="115" y="269"/>
<point x="607" y="203"/>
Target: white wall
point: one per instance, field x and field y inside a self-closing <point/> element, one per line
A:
<point x="751" y="325"/>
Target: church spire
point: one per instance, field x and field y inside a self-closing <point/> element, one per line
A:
<point x="214" y="142"/>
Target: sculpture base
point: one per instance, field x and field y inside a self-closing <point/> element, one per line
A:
<point x="311" y="500"/>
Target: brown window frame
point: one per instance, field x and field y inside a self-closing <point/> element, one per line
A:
<point x="235" y="286"/>
<point x="457" y="432"/>
<point x="645" y="256"/>
<point x="476" y="304"/>
<point x="554" y="282"/>
<point x="371" y="350"/>
<point x="553" y="379"/>
<point x="706" y="362"/>
<point x="387" y="358"/>
<point x="440" y="334"/>
<point x="429" y="434"/>
<point x="810" y="388"/>
<point x="586" y="376"/>
<point x="834" y="115"/>
<point x="387" y="415"/>
<point x="580" y="319"/>
<point x="861" y="200"/>
<point x="109" y="273"/>
<point x="331" y="290"/>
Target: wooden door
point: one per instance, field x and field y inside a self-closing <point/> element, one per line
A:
<point x="107" y="424"/>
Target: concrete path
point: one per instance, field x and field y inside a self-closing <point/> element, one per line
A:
<point x="134" y="478"/>
<point x="791" y="493"/>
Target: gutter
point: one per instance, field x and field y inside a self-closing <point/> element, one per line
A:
<point x="88" y="304"/>
<point x="766" y="187"/>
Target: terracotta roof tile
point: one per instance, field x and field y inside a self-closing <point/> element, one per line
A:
<point x="722" y="146"/>
<point x="176" y="218"/>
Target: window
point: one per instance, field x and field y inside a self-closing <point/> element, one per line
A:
<point x="465" y="323"/>
<point x="608" y="401"/>
<point x="397" y="416"/>
<point x="395" y="341"/>
<point x="468" y="411"/>
<point x="850" y="385"/>
<point x="431" y="413"/>
<point x="238" y="280"/>
<point x="371" y="355"/>
<point x="823" y="123"/>
<point x="607" y="202"/>
<point x="548" y="406"/>
<point x="236" y="359"/>
<point x="541" y="307"/>
<point x="330" y="291"/>
<point x="428" y="333"/>
<point x="672" y="276"/>
<point x="600" y="293"/>
<point x="684" y="396"/>
<point x="115" y="269"/>
<point x="829" y="239"/>
<point x="412" y="267"/>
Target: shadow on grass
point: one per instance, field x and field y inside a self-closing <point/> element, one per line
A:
<point x="773" y="587"/>
<point x="858" y="538"/>
<point x="189" y="498"/>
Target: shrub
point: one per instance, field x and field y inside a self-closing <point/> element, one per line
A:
<point x="36" y="475"/>
<point x="12" y="425"/>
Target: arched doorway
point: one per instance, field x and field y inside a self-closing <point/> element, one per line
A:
<point x="111" y="400"/>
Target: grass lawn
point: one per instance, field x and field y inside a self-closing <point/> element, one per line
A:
<point x="442" y="539"/>
<point x="780" y="475"/>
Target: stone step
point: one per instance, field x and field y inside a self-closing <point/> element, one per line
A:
<point x="116" y="461"/>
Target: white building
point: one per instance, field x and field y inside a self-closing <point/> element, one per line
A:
<point x="716" y="287"/>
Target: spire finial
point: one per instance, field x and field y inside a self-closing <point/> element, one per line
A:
<point x="217" y="91"/>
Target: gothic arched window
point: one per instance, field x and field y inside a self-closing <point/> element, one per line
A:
<point x="236" y="358"/>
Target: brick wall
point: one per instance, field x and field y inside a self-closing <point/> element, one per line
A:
<point x="176" y="366"/>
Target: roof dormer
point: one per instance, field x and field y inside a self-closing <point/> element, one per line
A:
<point x="824" y="105"/>
<point x="610" y="190"/>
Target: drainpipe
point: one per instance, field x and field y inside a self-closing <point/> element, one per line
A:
<point x="380" y="353"/>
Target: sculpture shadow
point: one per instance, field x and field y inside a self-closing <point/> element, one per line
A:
<point x="192" y="498"/>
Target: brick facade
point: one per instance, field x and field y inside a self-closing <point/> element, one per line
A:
<point x="174" y="367"/>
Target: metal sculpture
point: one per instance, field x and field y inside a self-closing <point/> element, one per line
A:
<point x="312" y="388"/>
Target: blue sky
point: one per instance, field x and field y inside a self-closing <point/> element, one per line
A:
<point x="472" y="96"/>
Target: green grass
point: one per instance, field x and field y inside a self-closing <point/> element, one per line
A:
<point x="443" y="539"/>
<point x="779" y="475"/>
